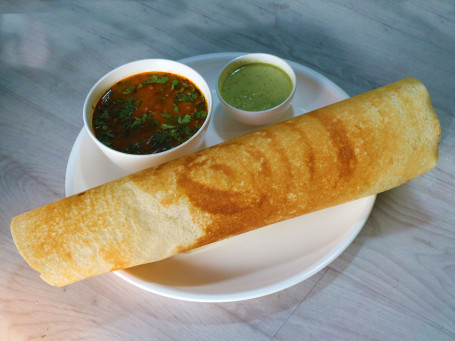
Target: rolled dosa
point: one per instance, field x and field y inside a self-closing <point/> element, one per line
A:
<point x="364" y="145"/>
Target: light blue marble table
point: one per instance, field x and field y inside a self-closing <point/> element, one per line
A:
<point x="396" y="281"/>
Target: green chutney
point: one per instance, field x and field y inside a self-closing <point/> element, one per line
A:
<point x="256" y="87"/>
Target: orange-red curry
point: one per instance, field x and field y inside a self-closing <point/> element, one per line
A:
<point x="149" y="113"/>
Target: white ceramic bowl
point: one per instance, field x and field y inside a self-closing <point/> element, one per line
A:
<point x="132" y="162"/>
<point x="256" y="117"/>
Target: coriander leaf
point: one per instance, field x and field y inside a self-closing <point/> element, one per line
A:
<point x="167" y="126"/>
<point x="166" y="115"/>
<point x="105" y="114"/>
<point x="184" y="119"/>
<point x="160" y="137"/>
<point x="105" y="137"/>
<point x="137" y="122"/>
<point x="200" y="114"/>
<point x="134" y="148"/>
<point x="128" y="90"/>
<point x="189" y="97"/>
<point x="202" y="104"/>
<point x="155" y="79"/>
<point x="100" y="119"/>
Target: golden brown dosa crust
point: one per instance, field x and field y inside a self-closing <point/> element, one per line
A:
<point x="361" y="146"/>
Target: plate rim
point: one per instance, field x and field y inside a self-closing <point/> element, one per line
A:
<point x="169" y="292"/>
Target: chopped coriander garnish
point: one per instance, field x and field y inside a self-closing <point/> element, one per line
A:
<point x="150" y="120"/>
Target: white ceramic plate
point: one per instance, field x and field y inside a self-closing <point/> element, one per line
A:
<point x="254" y="264"/>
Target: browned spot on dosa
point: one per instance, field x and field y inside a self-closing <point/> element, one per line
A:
<point x="346" y="160"/>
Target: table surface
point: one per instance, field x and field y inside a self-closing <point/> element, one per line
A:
<point x="396" y="280"/>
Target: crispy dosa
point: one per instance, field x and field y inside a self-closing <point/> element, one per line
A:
<point x="364" y="145"/>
